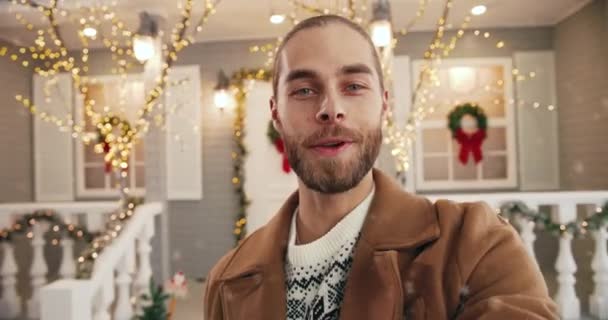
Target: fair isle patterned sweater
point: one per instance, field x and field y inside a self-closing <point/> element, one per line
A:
<point x="317" y="271"/>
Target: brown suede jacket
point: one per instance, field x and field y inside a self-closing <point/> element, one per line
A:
<point x="414" y="260"/>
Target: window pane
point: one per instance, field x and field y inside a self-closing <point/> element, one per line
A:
<point x="114" y="181"/>
<point x="90" y="156"/>
<point x="496" y="140"/>
<point x="140" y="177"/>
<point x="464" y="171"/>
<point x="435" y="168"/>
<point x="94" y="178"/>
<point x="435" y="140"/>
<point x="483" y="85"/>
<point x="139" y="151"/>
<point x="495" y="167"/>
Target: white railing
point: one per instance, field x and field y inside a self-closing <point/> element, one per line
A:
<point x="70" y="213"/>
<point x="115" y="268"/>
<point x="564" y="206"/>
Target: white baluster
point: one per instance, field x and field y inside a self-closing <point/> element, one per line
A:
<point x="67" y="270"/>
<point x="598" y="302"/>
<point x="9" y="304"/>
<point x="527" y="235"/>
<point x="124" y="309"/>
<point x="38" y="270"/>
<point x="104" y="298"/>
<point x="566" y="299"/>
<point x="143" y="252"/>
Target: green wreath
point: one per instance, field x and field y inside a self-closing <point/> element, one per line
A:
<point x="467" y="108"/>
<point x="470" y="142"/>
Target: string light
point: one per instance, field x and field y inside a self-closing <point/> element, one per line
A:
<point x="59" y="226"/>
<point x="238" y="82"/>
<point x="58" y="60"/>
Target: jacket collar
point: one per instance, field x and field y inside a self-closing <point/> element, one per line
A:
<point x="396" y="220"/>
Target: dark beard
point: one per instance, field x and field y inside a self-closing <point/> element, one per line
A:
<point x="330" y="175"/>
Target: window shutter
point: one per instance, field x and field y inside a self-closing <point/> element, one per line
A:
<point x="183" y="135"/>
<point x="53" y="149"/>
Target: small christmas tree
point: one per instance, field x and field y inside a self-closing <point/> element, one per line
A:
<point x="154" y="306"/>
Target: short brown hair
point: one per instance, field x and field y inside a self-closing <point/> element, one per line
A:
<point x="321" y="21"/>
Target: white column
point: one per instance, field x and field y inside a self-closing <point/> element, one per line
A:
<point x="566" y="299"/>
<point x="143" y="252"/>
<point x="67" y="270"/>
<point x="38" y="270"/>
<point x="527" y="235"/>
<point x="124" y="309"/>
<point x="598" y="302"/>
<point x="104" y="298"/>
<point x="9" y="304"/>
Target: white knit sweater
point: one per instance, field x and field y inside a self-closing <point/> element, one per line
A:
<point x="317" y="271"/>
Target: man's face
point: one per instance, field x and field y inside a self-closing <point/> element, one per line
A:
<point x="329" y="107"/>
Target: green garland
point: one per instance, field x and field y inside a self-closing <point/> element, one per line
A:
<point x="543" y="221"/>
<point x="25" y="223"/>
<point x="467" y="108"/>
<point x="237" y="81"/>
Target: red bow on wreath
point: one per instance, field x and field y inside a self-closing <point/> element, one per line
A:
<point x="280" y="145"/>
<point x="275" y="138"/>
<point x="470" y="144"/>
<point x="106" y="150"/>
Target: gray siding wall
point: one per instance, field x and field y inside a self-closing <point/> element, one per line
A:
<point x="581" y="46"/>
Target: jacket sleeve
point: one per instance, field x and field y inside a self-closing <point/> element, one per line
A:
<point x="212" y="303"/>
<point x="500" y="279"/>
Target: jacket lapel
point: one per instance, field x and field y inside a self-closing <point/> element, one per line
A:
<point x="253" y="284"/>
<point x="396" y="225"/>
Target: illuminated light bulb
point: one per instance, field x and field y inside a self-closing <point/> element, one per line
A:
<point x="143" y="48"/>
<point x="277" y="18"/>
<point x="89" y="32"/>
<point x="479" y="10"/>
<point x="381" y="33"/>
<point x="381" y="30"/>
<point x="222" y="99"/>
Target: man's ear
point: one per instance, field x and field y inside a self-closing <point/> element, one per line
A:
<point x="384" y="103"/>
<point x="274" y="113"/>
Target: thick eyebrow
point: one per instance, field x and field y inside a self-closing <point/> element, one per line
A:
<point x="355" y="68"/>
<point x="301" y="74"/>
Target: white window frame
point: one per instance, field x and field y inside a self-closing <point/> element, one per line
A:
<point x="109" y="191"/>
<point x="508" y="122"/>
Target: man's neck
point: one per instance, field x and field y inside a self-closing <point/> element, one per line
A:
<point x="318" y="212"/>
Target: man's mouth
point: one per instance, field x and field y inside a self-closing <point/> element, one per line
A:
<point x="331" y="147"/>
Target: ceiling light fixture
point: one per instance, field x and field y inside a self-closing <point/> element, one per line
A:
<point x="479" y="10"/>
<point x="277" y="18"/>
<point x="89" y="32"/>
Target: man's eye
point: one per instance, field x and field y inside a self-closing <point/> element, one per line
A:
<point x="303" y="92"/>
<point x="354" y="87"/>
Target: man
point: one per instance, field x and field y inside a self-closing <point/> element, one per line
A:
<point x="350" y="243"/>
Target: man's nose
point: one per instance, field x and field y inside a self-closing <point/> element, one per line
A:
<point x="331" y="110"/>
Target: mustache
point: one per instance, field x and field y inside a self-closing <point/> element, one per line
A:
<point x="332" y="131"/>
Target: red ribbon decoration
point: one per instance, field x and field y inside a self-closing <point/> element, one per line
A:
<point x="106" y="149"/>
<point x="470" y="144"/>
<point x="280" y="145"/>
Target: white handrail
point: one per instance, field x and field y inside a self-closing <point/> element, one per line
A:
<point x="71" y="299"/>
<point x="95" y="213"/>
<point x="61" y="207"/>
